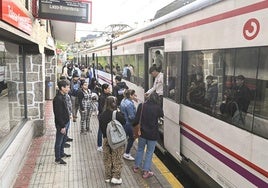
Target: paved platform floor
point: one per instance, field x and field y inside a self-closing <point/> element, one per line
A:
<point x="84" y="168"/>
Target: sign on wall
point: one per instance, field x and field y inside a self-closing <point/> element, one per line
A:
<point x="65" y="10"/>
<point x="15" y="16"/>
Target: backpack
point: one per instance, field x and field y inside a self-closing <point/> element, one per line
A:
<point x="115" y="132"/>
<point x="75" y="89"/>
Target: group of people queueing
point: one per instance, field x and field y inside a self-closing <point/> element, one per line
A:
<point x="121" y="99"/>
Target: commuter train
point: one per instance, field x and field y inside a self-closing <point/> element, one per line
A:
<point x="221" y="38"/>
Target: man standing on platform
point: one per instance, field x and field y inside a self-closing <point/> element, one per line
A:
<point x="62" y="119"/>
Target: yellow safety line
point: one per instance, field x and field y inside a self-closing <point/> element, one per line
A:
<point x="166" y="173"/>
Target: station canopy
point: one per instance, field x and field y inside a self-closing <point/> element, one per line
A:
<point x="64" y="31"/>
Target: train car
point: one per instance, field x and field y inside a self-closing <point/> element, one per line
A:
<point x="223" y="40"/>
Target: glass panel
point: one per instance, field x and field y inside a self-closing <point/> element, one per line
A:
<point x="102" y="63"/>
<point x="246" y="63"/>
<point x="11" y="88"/>
<point x="205" y="69"/>
<point x="140" y="70"/>
<point x="118" y="63"/>
<point x="242" y="89"/>
<point x="261" y="104"/>
<point x="173" y="75"/>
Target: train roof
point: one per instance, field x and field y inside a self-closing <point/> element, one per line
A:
<point x="171" y="7"/>
<point x="178" y="13"/>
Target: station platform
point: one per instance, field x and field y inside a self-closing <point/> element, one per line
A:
<point x="85" y="167"/>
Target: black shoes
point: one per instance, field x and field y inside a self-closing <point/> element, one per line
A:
<point x="66" y="145"/>
<point x="60" y="161"/>
<point x="69" y="139"/>
<point x="65" y="155"/>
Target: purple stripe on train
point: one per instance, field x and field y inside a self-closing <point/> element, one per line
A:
<point x="237" y="168"/>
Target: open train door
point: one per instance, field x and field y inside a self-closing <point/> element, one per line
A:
<point x="171" y="101"/>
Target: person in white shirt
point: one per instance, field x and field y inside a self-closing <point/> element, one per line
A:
<point x="158" y="84"/>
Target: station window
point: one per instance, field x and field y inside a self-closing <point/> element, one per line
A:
<point x="12" y="94"/>
<point x="230" y="84"/>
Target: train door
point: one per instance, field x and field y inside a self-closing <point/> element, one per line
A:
<point x="151" y="50"/>
<point x="171" y="100"/>
<point x="156" y="56"/>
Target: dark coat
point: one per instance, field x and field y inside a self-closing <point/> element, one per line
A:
<point x="60" y="110"/>
<point x="101" y="101"/>
<point x="119" y="86"/>
<point x="149" y="120"/>
<point x="242" y="96"/>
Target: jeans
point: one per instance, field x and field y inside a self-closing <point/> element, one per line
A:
<point x="99" y="138"/>
<point x="59" y="144"/>
<point x="129" y="133"/>
<point x="67" y="128"/>
<point x="142" y="142"/>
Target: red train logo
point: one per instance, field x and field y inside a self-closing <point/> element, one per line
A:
<point x="251" y="29"/>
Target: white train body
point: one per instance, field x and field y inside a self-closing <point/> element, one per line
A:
<point x="230" y="155"/>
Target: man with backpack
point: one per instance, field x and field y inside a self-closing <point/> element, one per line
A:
<point x="119" y="88"/>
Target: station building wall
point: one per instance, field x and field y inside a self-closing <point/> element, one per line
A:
<point x="27" y="61"/>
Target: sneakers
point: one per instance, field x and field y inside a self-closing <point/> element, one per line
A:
<point x="65" y="155"/>
<point x="128" y="157"/>
<point x="60" y="161"/>
<point x="147" y="174"/>
<point x="135" y="169"/>
<point x="66" y="145"/>
<point x="69" y="139"/>
<point x="107" y="180"/>
<point x="100" y="149"/>
<point x="116" y="181"/>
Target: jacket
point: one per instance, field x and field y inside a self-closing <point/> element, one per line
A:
<point x="60" y="110"/>
<point x="128" y="109"/>
<point x="101" y="101"/>
<point x="118" y="91"/>
<point x="149" y="120"/>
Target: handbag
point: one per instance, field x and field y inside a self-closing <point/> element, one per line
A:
<point x="137" y="128"/>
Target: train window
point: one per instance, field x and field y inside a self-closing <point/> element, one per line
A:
<point x="230" y="84"/>
<point x="172" y="75"/>
<point x="140" y="70"/>
<point x="135" y="64"/>
<point x="246" y="62"/>
<point x="261" y="99"/>
<point x="204" y="76"/>
<point x="102" y="63"/>
<point x="131" y="62"/>
<point x="118" y="64"/>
